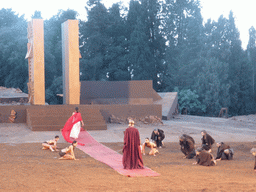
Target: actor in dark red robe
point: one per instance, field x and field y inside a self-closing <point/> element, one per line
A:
<point x="76" y="117"/>
<point x="132" y="158"/>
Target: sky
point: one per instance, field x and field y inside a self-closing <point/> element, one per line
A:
<point x="244" y="10"/>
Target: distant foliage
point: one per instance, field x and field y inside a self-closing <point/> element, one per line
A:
<point x="190" y="100"/>
<point x="163" y="41"/>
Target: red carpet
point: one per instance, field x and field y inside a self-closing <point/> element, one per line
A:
<point x="110" y="157"/>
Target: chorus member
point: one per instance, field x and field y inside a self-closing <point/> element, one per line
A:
<point x="150" y="145"/>
<point x="158" y="136"/>
<point x="224" y="152"/>
<point x="51" y="144"/>
<point x="68" y="152"/>
<point x="187" y="146"/>
<point x="132" y="158"/>
<point x="204" y="158"/>
<point x="207" y="141"/>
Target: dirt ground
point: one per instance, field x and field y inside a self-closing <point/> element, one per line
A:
<point x="25" y="167"/>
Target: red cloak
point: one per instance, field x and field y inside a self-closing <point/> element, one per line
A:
<point x="132" y="158"/>
<point x="68" y="126"/>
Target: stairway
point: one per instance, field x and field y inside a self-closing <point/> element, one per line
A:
<point x="50" y="118"/>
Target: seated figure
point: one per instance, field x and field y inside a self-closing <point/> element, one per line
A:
<point x="68" y="152"/>
<point x="224" y="152"/>
<point x="150" y="145"/>
<point x="187" y="146"/>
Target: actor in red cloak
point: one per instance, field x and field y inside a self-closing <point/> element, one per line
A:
<point x="132" y="158"/>
<point x="76" y="117"/>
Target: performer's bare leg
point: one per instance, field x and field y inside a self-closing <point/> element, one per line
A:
<point x="47" y="146"/>
<point x="68" y="157"/>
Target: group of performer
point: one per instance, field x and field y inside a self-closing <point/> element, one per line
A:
<point x="133" y="149"/>
<point x="70" y="133"/>
<point x="203" y="153"/>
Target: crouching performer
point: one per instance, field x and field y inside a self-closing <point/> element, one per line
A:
<point x="204" y="158"/>
<point x="158" y="136"/>
<point x="68" y="152"/>
<point x="224" y="152"/>
<point x="150" y="145"/>
<point x="207" y="141"/>
<point x="51" y="144"/>
<point x="253" y="151"/>
<point x="187" y="146"/>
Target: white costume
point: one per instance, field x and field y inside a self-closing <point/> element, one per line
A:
<point x="74" y="133"/>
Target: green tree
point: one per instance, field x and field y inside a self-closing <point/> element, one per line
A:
<point x="95" y="41"/>
<point x="190" y="100"/>
<point x="146" y="43"/>
<point x="116" y="55"/>
<point x="183" y="29"/>
<point x="212" y="86"/>
<point x="13" y="43"/>
<point x="251" y="54"/>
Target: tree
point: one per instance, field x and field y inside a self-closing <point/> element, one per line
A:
<point x="116" y="55"/>
<point x="184" y="31"/>
<point x="190" y="100"/>
<point x="251" y="53"/>
<point x="212" y="86"/>
<point x="146" y="44"/>
<point x="13" y="41"/>
<point x="95" y="41"/>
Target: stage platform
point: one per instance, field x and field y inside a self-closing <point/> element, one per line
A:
<point x="54" y="117"/>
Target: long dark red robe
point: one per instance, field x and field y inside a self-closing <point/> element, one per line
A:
<point x="68" y="126"/>
<point x="132" y="158"/>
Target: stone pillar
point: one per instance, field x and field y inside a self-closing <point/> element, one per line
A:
<point x="70" y="62"/>
<point x="35" y="56"/>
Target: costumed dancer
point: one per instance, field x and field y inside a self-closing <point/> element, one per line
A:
<point x="224" y="152"/>
<point x="253" y="151"/>
<point x="207" y="141"/>
<point x="150" y="145"/>
<point x="204" y="158"/>
<point x="187" y="146"/>
<point x="68" y="152"/>
<point x="73" y="127"/>
<point x="51" y="144"/>
<point x="132" y="158"/>
<point x="158" y="136"/>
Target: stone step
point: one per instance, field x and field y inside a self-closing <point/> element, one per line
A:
<point x="48" y="119"/>
<point x="59" y="127"/>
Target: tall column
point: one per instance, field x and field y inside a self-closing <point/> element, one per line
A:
<point x="35" y="56"/>
<point x="70" y="62"/>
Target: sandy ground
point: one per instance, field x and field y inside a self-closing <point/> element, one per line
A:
<point x="25" y="167"/>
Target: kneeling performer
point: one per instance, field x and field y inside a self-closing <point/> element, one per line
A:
<point x="51" y="144"/>
<point x="187" y="146"/>
<point x="204" y="158"/>
<point x="151" y="145"/>
<point x="224" y="152"/>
